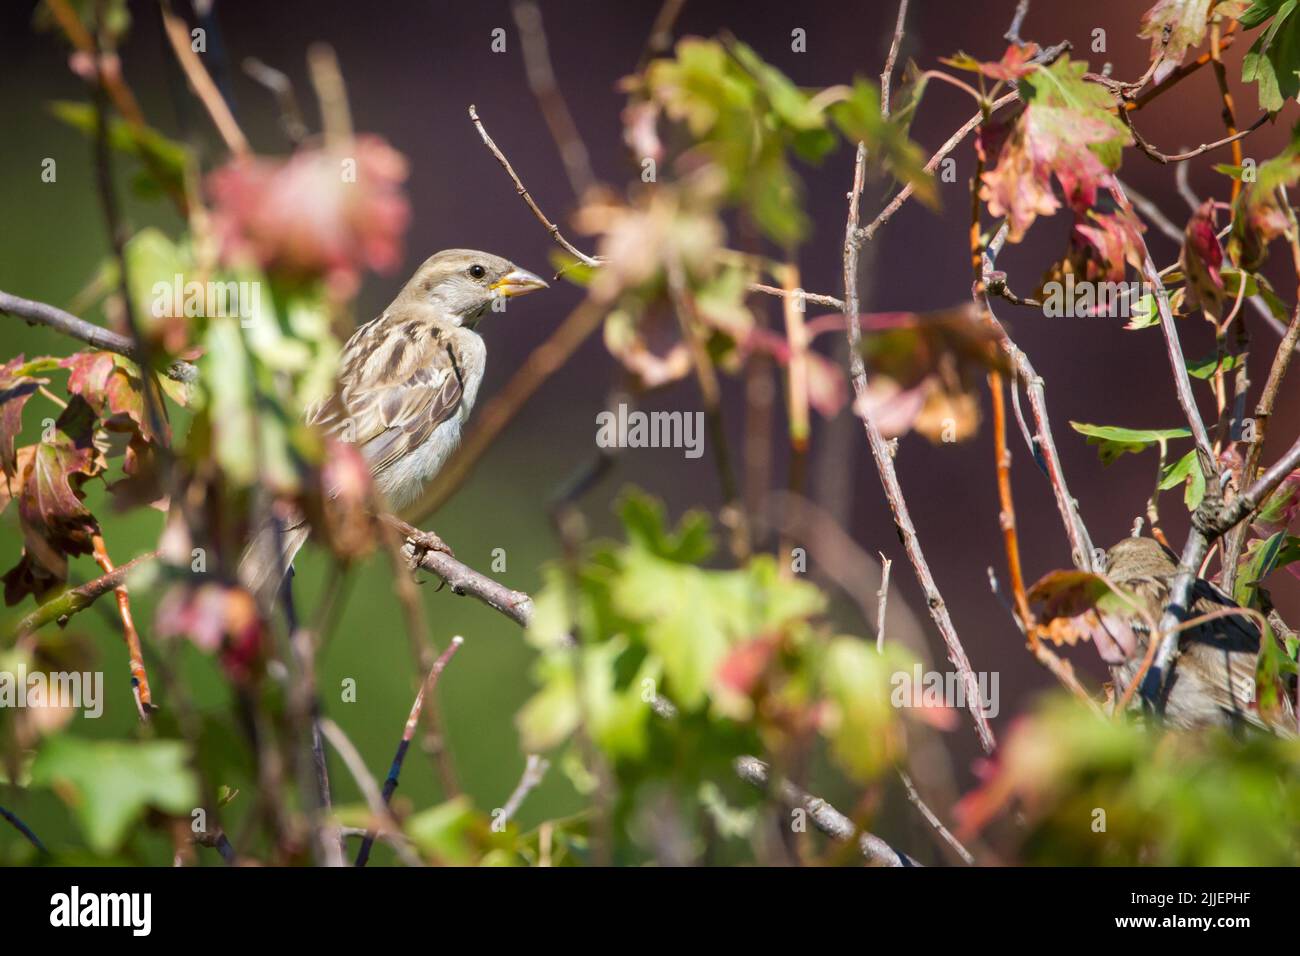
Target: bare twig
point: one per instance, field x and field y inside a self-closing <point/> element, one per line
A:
<point x="412" y="721"/>
<point x="933" y="819"/>
<point x="1172" y="345"/>
<point x="25" y="830"/>
<point x="869" y="231"/>
<point x="365" y="781"/>
<point x="882" y="596"/>
<point x="178" y="34"/>
<point x="139" y="679"/>
<point x="331" y="94"/>
<point x="40" y="313"/>
<point x="889" y="478"/>
<point x="823" y="816"/>
<point x="291" y="121"/>
<point x="1013" y="32"/>
<point x="887" y="74"/>
<point x="535" y="768"/>
<point x="1164" y="158"/>
<point x="550" y="227"/>
<point x="1263" y="412"/>
<point x="813" y="297"/>
<point x="80" y="597"/>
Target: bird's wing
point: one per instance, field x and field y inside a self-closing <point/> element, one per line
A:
<point x="398" y="385"/>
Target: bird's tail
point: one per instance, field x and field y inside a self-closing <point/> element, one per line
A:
<point x="267" y="558"/>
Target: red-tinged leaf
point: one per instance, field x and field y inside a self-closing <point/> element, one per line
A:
<point x="1015" y="63"/>
<point x="53" y="519"/>
<point x="1186" y="21"/>
<point x="1202" y="260"/>
<point x="218" y="619"/>
<point x="15" y="389"/>
<point x="318" y="213"/>
<point x="1280" y="509"/>
<point x="925" y="369"/>
<point x="827" y="388"/>
<point x="1073" y="606"/>
<point x="1066" y="131"/>
<point x="745" y="664"/>
<point x="11" y="485"/>
<point x="113" y="387"/>
<point x="1106" y="243"/>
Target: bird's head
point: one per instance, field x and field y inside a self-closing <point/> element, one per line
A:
<point x="1139" y="558"/>
<point x="464" y="284"/>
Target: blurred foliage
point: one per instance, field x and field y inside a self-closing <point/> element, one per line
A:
<point x="1103" y="792"/>
<point x="671" y="670"/>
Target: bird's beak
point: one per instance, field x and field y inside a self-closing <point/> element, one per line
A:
<point x="517" y="282"/>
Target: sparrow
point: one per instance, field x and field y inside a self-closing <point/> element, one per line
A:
<point x="406" y="385"/>
<point x="1213" y="681"/>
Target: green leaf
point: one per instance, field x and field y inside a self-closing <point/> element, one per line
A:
<point x="445" y="832"/>
<point x="1113" y="440"/>
<point x="1204" y="368"/>
<point x="643" y="520"/>
<point x="858" y="118"/>
<point x="863" y="733"/>
<point x="1186" y="469"/>
<point x="1261" y="559"/>
<point x="1274" y="59"/>
<point x="108" y="784"/>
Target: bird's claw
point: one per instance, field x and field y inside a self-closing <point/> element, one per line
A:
<point x="417" y="546"/>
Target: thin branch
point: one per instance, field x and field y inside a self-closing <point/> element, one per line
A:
<point x="823" y="816"/>
<point x="882" y="599"/>
<point x="1013" y="32"/>
<point x="889" y="478"/>
<point x="1164" y="158"/>
<point x="25" y="830"/>
<point x="1263" y="412"/>
<point x="541" y="80"/>
<point x="1172" y="345"/>
<point x="887" y="74"/>
<point x="869" y="231"/>
<point x="80" y="597"/>
<point x="281" y="87"/>
<point x="408" y="732"/>
<point x="135" y="656"/>
<point x="933" y="819"/>
<point x="550" y="227"/>
<point x="178" y="34"/>
<point x="96" y="336"/>
<point x="1153" y="214"/>
<point x="365" y="781"/>
<point x="535" y="768"/>
<point x="813" y="297"/>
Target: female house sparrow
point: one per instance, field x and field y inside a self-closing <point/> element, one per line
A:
<point x="1213" y="683"/>
<point x="406" y="385"/>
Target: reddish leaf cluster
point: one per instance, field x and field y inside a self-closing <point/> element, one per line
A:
<point x="318" y="213"/>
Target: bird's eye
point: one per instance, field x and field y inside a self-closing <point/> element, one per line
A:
<point x="476" y="271"/>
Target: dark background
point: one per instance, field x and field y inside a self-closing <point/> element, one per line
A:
<point x="411" y="70"/>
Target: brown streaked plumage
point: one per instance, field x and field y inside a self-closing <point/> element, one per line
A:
<point x="407" y="383"/>
<point x="1213" y="682"/>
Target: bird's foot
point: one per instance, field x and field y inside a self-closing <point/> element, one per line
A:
<point x="420" y="544"/>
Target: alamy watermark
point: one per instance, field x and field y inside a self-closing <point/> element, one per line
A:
<point x="75" y="690"/>
<point x="918" y="688"/>
<point x="211" y="299"/>
<point x="1083" y="299"/>
<point x="638" y="429"/>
